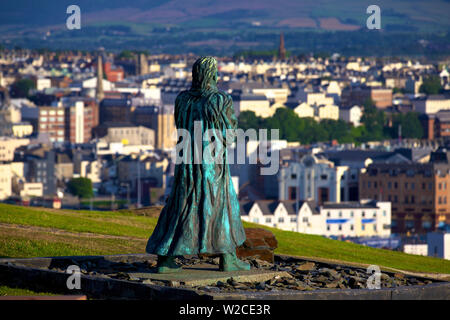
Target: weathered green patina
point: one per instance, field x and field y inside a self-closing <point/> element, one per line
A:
<point x="202" y="212"/>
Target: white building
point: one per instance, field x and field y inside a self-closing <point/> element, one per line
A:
<point x="313" y="178"/>
<point x="357" y="219"/>
<point x="417" y="249"/>
<point x="439" y="245"/>
<point x="5" y="181"/>
<point x="284" y="215"/>
<point x="351" y="115"/>
<point x="349" y="219"/>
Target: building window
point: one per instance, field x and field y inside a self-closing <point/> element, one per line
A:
<point x="406" y="199"/>
<point x="363" y="214"/>
<point x="293" y="176"/>
<point x="374" y="227"/>
<point x="426" y="224"/>
<point x="328" y="228"/>
<point x="255" y="220"/>
<point x="413" y="199"/>
<point x="389" y="185"/>
<point x="363" y="227"/>
<point x="423" y="186"/>
<point x="328" y="214"/>
<point x="340" y="227"/>
<point x="395" y="185"/>
<point x="384" y="213"/>
<point x="351" y="227"/>
<point x="406" y="185"/>
<point x="413" y="185"/>
<point x="368" y="184"/>
<point x="351" y="214"/>
<point x="294" y="219"/>
<point x="440" y="186"/>
<point x="268" y="220"/>
<point x="374" y="214"/>
<point x="440" y="200"/>
<point x="281" y="220"/>
<point x="340" y="214"/>
<point x="409" y="224"/>
<point x="395" y="199"/>
<point x="323" y="177"/>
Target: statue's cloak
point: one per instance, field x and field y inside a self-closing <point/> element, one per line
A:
<point x="201" y="214"/>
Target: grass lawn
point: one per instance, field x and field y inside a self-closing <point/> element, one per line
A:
<point x="32" y="232"/>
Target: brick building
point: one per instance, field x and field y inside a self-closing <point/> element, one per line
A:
<point x="419" y="193"/>
<point x="436" y="125"/>
<point x="72" y="123"/>
<point x="382" y="97"/>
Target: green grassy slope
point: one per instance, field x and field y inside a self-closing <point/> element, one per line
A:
<point x="29" y="232"/>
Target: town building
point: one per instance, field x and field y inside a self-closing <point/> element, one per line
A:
<point x="382" y="97"/>
<point x="347" y="219"/>
<point x="72" y="123"/>
<point x="313" y="178"/>
<point x="351" y="115"/>
<point x="8" y="145"/>
<point x="431" y="104"/>
<point x="357" y="219"/>
<point x="5" y="181"/>
<point x="130" y="135"/>
<point x="439" y="244"/>
<point x="419" y="193"/>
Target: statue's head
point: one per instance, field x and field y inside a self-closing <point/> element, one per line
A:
<point x="204" y="73"/>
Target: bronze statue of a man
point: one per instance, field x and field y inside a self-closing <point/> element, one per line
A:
<point x="202" y="211"/>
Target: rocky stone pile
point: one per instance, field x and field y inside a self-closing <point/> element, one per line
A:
<point x="304" y="275"/>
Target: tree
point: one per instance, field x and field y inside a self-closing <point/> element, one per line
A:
<point x="126" y="55"/>
<point x="249" y="120"/>
<point x="410" y="123"/>
<point x="81" y="187"/>
<point x="21" y="88"/>
<point x="373" y="119"/>
<point x="431" y="85"/>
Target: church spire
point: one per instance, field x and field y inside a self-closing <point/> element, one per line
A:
<point x="282" y="49"/>
<point x="99" y="91"/>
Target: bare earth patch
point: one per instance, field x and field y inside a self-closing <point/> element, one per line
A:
<point x="298" y="23"/>
<point x="335" y="24"/>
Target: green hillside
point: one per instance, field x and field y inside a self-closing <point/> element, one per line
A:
<point x="31" y="232"/>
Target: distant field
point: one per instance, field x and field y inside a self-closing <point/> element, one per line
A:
<point x="224" y="28"/>
<point x="31" y="232"/>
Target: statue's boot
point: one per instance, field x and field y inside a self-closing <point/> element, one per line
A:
<point x="229" y="262"/>
<point x="167" y="264"/>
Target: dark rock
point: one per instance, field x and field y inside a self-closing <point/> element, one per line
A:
<point x="261" y="286"/>
<point x="260" y="244"/>
<point x="307" y="266"/>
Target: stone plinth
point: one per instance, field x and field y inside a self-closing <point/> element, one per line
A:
<point x="207" y="274"/>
